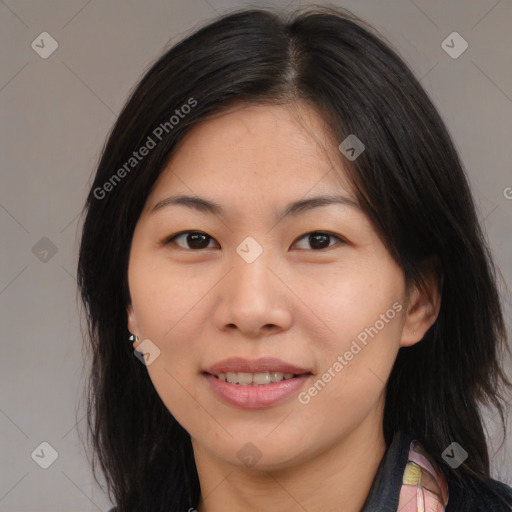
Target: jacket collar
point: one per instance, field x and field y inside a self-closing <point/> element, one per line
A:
<point x="384" y="494"/>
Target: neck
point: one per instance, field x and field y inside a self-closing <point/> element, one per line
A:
<point x="339" y="478"/>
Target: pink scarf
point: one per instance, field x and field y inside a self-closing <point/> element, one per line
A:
<point x="424" y="487"/>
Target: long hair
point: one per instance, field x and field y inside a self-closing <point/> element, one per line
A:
<point x="409" y="181"/>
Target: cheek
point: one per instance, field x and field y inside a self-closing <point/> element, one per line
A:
<point x="363" y="309"/>
<point x="354" y="364"/>
<point x="167" y="312"/>
<point x="355" y="299"/>
<point x="166" y="301"/>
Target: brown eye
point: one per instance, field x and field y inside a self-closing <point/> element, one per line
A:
<point x="197" y="240"/>
<point x="319" y="240"/>
<point x="194" y="240"/>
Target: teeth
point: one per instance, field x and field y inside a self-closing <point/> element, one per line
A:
<point x="277" y="376"/>
<point x="245" y="379"/>
<point x="231" y="377"/>
<point x="261" y="378"/>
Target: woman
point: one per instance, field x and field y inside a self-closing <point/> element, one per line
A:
<point x="291" y="305"/>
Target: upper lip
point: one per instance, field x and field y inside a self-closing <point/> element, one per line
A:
<point x="265" y="364"/>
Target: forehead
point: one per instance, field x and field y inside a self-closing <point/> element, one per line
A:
<point x="264" y="149"/>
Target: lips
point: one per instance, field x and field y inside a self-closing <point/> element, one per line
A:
<point x="244" y="383"/>
<point x="266" y="364"/>
<point x="256" y="396"/>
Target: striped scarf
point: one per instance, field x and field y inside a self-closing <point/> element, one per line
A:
<point x="424" y="487"/>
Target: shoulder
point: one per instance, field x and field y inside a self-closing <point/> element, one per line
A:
<point x="486" y="496"/>
<point x="498" y="496"/>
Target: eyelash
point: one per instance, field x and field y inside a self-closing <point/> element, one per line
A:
<point x="171" y="239"/>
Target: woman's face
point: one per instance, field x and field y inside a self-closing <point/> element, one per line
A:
<point x="253" y="285"/>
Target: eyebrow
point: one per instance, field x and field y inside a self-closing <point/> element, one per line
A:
<point x="297" y="207"/>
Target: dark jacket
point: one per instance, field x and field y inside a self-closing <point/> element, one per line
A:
<point x="385" y="491"/>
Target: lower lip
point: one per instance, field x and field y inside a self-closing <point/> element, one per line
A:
<point x="256" y="396"/>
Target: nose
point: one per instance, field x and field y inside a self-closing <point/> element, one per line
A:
<point x="253" y="299"/>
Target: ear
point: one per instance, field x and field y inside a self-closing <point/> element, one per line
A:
<point x="424" y="303"/>
<point x="133" y="326"/>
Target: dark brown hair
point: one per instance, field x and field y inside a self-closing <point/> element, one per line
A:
<point x="409" y="181"/>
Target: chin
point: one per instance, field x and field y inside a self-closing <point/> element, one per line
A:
<point x="260" y="453"/>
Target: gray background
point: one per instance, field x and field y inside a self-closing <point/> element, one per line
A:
<point x="56" y="113"/>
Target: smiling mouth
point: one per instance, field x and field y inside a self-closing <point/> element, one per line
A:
<point x="255" y="379"/>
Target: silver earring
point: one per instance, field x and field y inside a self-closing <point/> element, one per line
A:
<point x="133" y="338"/>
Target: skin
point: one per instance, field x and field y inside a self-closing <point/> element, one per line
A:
<point x="302" y="304"/>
